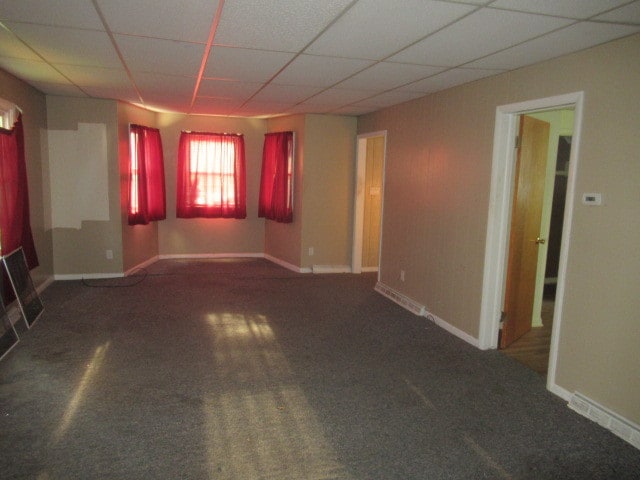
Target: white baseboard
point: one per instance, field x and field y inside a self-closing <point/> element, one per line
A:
<point x="421" y="310"/>
<point x="331" y="269"/>
<point x="623" y="428"/>
<point x="209" y="255"/>
<point x="287" y="265"/>
<point x="451" y="329"/>
<point x="142" y="265"/>
<point x="87" y="276"/>
<point x="43" y="286"/>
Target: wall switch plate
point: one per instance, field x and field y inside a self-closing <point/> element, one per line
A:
<point x="109" y="254"/>
<point x="311" y="251"/>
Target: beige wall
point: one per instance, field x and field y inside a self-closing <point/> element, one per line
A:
<point x="83" y="250"/>
<point x="34" y="118"/>
<point x="179" y="236"/>
<point x="283" y="240"/>
<point x="437" y="198"/>
<point x="327" y="190"/>
<point x="139" y="242"/>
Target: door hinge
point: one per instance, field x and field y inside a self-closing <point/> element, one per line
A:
<point x="518" y="141"/>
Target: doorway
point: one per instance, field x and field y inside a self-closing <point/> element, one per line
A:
<point x="369" y="187"/>
<point x="528" y="313"/>
<point x="498" y="225"/>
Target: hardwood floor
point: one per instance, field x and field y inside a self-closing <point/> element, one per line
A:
<point x="532" y="349"/>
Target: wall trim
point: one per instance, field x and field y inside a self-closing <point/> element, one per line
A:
<point x="287" y="265"/>
<point x="142" y="265"/>
<point x="620" y="426"/>
<point x="370" y="269"/>
<point x="43" y="285"/>
<point x="209" y="255"/>
<point x="331" y="269"/>
<point x="453" y="330"/>
<point x="87" y="276"/>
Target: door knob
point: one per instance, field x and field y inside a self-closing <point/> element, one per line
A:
<point x="540" y="240"/>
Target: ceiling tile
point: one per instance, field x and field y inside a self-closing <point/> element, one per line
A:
<point x="481" y="33"/>
<point x="69" y="13"/>
<point x="375" y="29"/>
<point x="10" y="46"/>
<point x="228" y="88"/>
<point x="627" y="14"/>
<point x="244" y="64"/>
<point x="95" y="76"/>
<point x="448" y="79"/>
<point x="124" y="93"/>
<point x="186" y="21"/>
<point x="71" y="46"/>
<point x="387" y="75"/>
<point x="61" y="89"/>
<point x="580" y="9"/>
<point x="288" y="93"/>
<point x="263" y="109"/>
<point x="160" y="56"/>
<point x="389" y="98"/>
<point x="354" y="110"/>
<point x="337" y="97"/>
<point x="176" y="102"/>
<point x="35" y="71"/>
<point x="162" y="83"/>
<point x="575" y="37"/>
<point x="215" y="106"/>
<point x="289" y="27"/>
<point x="319" y="71"/>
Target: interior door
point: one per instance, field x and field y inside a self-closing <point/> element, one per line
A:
<point x="526" y="217"/>
<point x="372" y="202"/>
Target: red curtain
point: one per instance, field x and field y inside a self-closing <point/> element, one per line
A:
<point x="276" y="181"/>
<point x="211" y="176"/>
<point x="15" y="226"/>
<point x="147" y="200"/>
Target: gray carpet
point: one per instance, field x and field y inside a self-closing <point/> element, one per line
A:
<point x="243" y="370"/>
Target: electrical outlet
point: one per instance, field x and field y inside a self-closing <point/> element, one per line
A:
<point x="311" y="251"/>
<point x="109" y="254"/>
<point x="402" y="275"/>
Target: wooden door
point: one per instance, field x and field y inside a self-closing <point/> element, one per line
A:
<point x="372" y="202"/>
<point x="526" y="217"/>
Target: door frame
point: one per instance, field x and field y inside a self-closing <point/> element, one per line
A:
<point x="498" y="225"/>
<point x="358" y="202"/>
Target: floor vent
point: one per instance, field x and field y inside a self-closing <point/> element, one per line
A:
<point x="400" y="299"/>
<point x="605" y="418"/>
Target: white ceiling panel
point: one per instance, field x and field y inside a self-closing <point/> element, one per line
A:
<point x="319" y="71"/>
<point x="285" y="27"/>
<point x="35" y="71"/>
<point x="572" y="38"/>
<point x="337" y="97"/>
<point x="256" y="108"/>
<point x="283" y="94"/>
<point x="95" y="76"/>
<point x="62" y="89"/>
<point x="354" y="110"/>
<point x="10" y="46"/>
<point x="125" y="93"/>
<point x="448" y="79"/>
<point x="481" y="33"/>
<point x="160" y="56"/>
<point x="385" y="75"/>
<point x="186" y="21"/>
<point x="164" y="84"/>
<point x="627" y="14"/>
<point x="565" y="8"/>
<point x="389" y="98"/>
<point x="245" y="64"/>
<point x="71" y="46"/>
<point x="375" y="29"/>
<point x="215" y="106"/>
<point x="69" y="13"/>
<point x="228" y="88"/>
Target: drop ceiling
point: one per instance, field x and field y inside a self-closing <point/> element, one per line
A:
<point x="266" y="58"/>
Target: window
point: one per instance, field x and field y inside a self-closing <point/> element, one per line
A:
<point x="146" y="176"/>
<point x="211" y="176"/>
<point x="276" y="181"/>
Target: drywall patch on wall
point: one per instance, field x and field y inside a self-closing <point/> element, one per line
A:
<point x="78" y="169"/>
